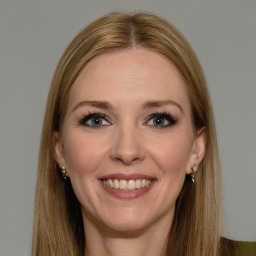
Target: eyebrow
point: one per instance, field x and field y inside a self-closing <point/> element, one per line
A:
<point x="157" y="104"/>
<point x="94" y="103"/>
<point x="147" y="105"/>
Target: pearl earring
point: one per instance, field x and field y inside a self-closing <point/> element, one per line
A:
<point x="63" y="173"/>
<point x="194" y="173"/>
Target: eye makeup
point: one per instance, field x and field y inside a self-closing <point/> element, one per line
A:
<point x="161" y="120"/>
<point x="94" y="120"/>
<point x="156" y="120"/>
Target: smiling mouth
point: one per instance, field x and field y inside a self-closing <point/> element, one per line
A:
<point x="127" y="184"/>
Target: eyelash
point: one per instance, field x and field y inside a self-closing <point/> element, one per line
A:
<point x="83" y="121"/>
<point x="167" y="116"/>
<point x="161" y="115"/>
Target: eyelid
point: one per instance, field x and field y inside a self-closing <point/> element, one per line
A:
<point x="168" y="116"/>
<point x="85" y="118"/>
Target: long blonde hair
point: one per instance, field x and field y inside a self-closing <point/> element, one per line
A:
<point x="58" y="225"/>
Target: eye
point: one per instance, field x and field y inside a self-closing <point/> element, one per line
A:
<point x="95" y="120"/>
<point x="161" y="120"/>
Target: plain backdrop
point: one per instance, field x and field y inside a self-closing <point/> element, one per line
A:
<point x="33" y="35"/>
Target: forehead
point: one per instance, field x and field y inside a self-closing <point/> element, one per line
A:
<point x="129" y="75"/>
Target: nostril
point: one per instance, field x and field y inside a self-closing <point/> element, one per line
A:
<point x="128" y="157"/>
<point x="127" y="146"/>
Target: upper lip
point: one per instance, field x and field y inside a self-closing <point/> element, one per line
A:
<point x="120" y="176"/>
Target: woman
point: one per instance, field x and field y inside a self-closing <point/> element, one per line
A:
<point x="129" y="128"/>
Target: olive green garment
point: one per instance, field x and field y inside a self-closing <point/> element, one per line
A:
<point x="245" y="248"/>
<point x="237" y="248"/>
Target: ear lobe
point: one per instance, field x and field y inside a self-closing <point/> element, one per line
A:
<point x="198" y="150"/>
<point x="58" y="149"/>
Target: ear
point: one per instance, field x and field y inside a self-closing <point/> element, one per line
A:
<point x="59" y="149"/>
<point x="198" y="150"/>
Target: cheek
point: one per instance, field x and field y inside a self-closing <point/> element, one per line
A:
<point x="172" y="154"/>
<point x="82" y="154"/>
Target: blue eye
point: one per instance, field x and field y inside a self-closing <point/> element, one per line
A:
<point x="161" y="120"/>
<point x="94" y="120"/>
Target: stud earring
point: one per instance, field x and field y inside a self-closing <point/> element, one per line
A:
<point x="63" y="173"/>
<point x="194" y="173"/>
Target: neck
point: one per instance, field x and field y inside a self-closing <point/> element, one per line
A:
<point x="149" y="241"/>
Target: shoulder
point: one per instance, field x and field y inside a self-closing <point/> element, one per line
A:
<point x="237" y="248"/>
<point x="245" y="248"/>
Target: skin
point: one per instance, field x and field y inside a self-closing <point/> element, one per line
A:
<point x="128" y="142"/>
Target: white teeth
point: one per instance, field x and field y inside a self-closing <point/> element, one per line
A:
<point x="123" y="184"/>
<point x="111" y="183"/>
<point x="116" y="183"/>
<point x="127" y="185"/>
<point x="131" y="184"/>
<point x="138" y="184"/>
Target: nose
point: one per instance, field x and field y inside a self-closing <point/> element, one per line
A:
<point x="127" y="146"/>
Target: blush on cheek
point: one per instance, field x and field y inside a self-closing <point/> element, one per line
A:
<point x="172" y="158"/>
<point x="81" y="162"/>
<point x="83" y="154"/>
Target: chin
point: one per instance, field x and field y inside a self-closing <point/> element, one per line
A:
<point x="125" y="221"/>
<point x="126" y="227"/>
<point x="129" y="221"/>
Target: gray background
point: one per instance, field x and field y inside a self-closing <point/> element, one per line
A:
<point x="33" y="34"/>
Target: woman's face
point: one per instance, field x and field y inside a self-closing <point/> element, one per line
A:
<point x="127" y="140"/>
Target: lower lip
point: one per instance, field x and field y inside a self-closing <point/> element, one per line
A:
<point x="127" y="194"/>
